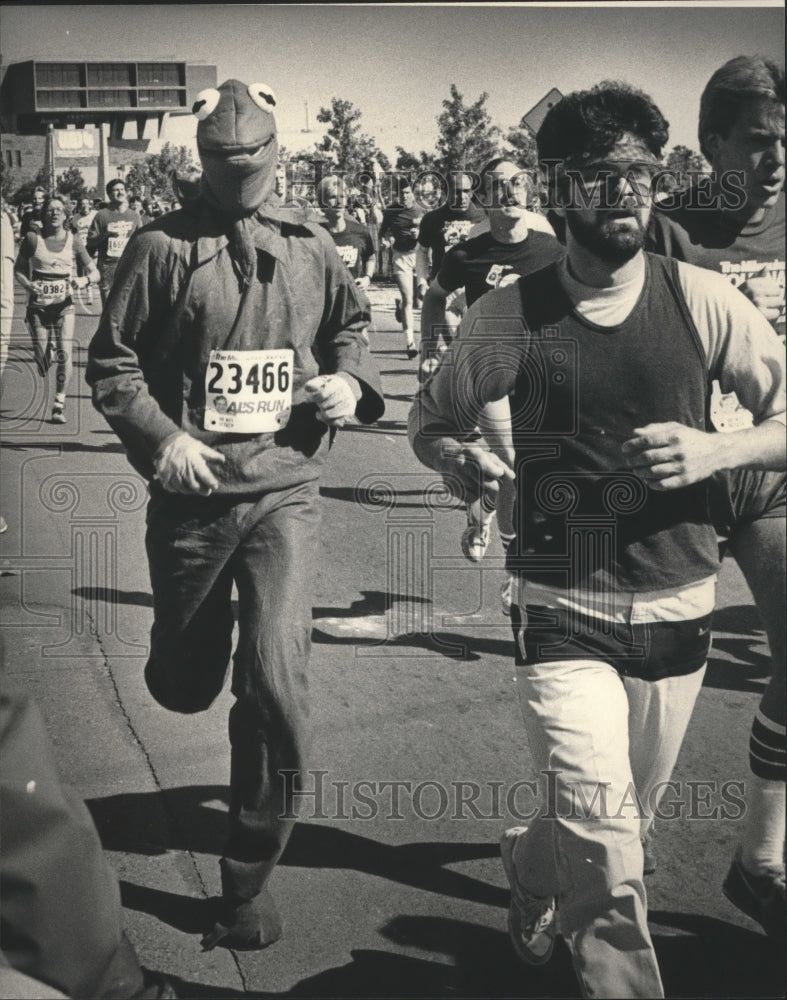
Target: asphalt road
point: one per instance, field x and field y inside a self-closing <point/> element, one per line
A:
<point x="413" y="696"/>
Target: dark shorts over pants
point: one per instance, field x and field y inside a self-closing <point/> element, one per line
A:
<point x="197" y="547"/>
<point x="742" y="496"/>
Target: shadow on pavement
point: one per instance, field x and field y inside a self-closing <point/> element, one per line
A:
<point x="191" y="818"/>
<point x="376" y="975"/>
<point x="405" y="397"/>
<point x="479" y="963"/>
<point x="112" y="447"/>
<point x="376" y="498"/>
<point x="373" y="602"/>
<point x="378" y="427"/>
<point x="715" y="959"/>
<point x="185" y="913"/>
<point x="418" y="865"/>
<point x="741" y="619"/>
<point x="709" y="959"/>
<point x="738" y="634"/>
<point x="747" y="673"/>
<point x="451" y="645"/>
<point x="137" y="598"/>
<point x="206" y="991"/>
<point x="484" y="964"/>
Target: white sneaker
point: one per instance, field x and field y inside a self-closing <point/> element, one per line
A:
<point x="475" y="537"/>
<point x="532" y="923"/>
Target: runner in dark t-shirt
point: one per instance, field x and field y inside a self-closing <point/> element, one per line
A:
<point x="483" y="263"/>
<point x="352" y="240"/>
<point x="355" y="247"/>
<point x="33" y="218"/>
<point x="496" y="258"/>
<point x="399" y="223"/>
<point x="400" y="228"/>
<point x="446" y="226"/>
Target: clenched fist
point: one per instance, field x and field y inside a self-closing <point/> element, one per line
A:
<point x="668" y="456"/>
<point x="763" y="291"/>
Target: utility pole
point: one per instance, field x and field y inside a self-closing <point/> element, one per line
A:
<point x="50" y="158"/>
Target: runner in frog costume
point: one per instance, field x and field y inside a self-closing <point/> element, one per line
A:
<point x="230" y="349"/>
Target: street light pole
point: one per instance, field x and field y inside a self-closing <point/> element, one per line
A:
<point x="50" y="157"/>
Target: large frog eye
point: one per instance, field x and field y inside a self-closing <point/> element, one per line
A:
<point x="263" y="96"/>
<point x="205" y="104"/>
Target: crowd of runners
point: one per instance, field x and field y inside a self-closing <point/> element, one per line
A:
<point x="583" y="344"/>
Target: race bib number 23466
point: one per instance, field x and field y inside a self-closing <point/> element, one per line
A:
<point x="248" y="392"/>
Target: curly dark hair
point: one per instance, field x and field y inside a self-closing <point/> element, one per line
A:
<point x="736" y="83"/>
<point x="592" y="121"/>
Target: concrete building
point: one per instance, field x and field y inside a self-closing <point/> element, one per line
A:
<point x="98" y="116"/>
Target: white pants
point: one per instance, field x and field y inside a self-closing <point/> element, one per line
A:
<point x="595" y="738"/>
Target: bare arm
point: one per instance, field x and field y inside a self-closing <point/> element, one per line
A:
<point x="433" y="320"/>
<point x="670" y="455"/>
<point x="22" y="268"/>
<point x="451" y="403"/>
<point x="422" y="258"/>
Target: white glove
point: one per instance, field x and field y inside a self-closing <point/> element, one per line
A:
<point x="363" y="282"/>
<point x="183" y="465"/>
<point x="334" y="398"/>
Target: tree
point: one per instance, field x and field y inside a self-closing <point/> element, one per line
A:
<point x="412" y="163"/>
<point x="24" y="193"/>
<point x="683" y="163"/>
<point x="71" y="183"/>
<point x="467" y="138"/>
<point x="524" y="151"/>
<point x="352" y="150"/>
<point x="9" y="181"/>
<point x="153" y="175"/>
<point x="522" y="141"/>
<point x="685" y="160"/>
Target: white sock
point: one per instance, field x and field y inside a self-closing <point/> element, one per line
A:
<point x="763" y="840"/>
<point x="505" y="538"/>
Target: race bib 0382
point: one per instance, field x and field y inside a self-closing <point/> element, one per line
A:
<point x="51" y="289"/>
<point x="248" y="392"/>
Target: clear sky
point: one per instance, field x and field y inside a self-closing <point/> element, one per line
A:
<point x="396" y="61"/>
